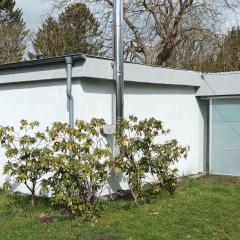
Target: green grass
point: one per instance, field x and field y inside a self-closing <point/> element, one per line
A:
<point x="205" y="208"/>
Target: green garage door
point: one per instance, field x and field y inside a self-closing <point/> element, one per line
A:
<point x="225" y="136"/>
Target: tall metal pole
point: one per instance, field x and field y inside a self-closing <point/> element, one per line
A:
<point x="118" y="57"/>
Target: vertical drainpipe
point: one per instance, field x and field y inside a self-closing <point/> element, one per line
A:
<point x="118" y="58"/>
<point x="70" y="102"/>
<point x="109" y="130"/>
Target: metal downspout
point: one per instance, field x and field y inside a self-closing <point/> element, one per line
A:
<point x="70" y="101"/>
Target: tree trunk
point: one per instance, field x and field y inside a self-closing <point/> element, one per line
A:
<point x="33" y="199"/>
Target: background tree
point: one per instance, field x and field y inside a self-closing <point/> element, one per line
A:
<point x="196" y="54"/>
<point x="228" y="59"/>
<point x="75" y="31"/>
<point x="154" y="29"/>
<point x="221" y="56"/>
<point x="12" y="32"/>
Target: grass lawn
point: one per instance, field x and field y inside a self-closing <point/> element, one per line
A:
<point x="205" y="208"/>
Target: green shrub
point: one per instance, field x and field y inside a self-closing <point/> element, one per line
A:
<point x="27" y="153"/>
<point x="143" y="154"/>
<point x="78" y="160"/>
<point x="80" y="165"/>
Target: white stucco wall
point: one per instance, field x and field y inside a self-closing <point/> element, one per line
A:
<point x="176" y="106"/>
<point x="46" y="102"/>
<point x="41" y="101"/>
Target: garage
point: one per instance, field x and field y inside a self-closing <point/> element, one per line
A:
<point x="221" y="93"/>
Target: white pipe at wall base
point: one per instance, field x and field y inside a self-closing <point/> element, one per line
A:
<point x="118" y="58"/>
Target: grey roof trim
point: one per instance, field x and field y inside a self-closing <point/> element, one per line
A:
<point x="141" y="64"/>
<point x="220" y="96"/>
<point x="43" y="61"/>
<point x="221" y="73"/>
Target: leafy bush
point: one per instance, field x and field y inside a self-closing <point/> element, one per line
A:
<point x="143" y="154"/>
<point x="80" y="165"/>
<point x="78" y="160"/>
<point x="28" y="154"/>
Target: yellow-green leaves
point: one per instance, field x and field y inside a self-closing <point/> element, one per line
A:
<point x="80" y="165"/>
<point x="143" y="154"/>
<point x="79" y="160"/>
<point x="28" y="154"/>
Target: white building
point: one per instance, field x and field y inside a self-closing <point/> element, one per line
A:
<point x="194" y="106"/>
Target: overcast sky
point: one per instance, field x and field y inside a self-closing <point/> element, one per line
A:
<point x="33" y="10"/>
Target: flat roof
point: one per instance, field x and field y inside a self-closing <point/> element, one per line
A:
<point x="96" y="68"/>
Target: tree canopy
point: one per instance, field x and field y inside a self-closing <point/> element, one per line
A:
<point x="12" y="32"/>
<point x="228" y="58"/>
<point x="74" y="31"/>
<point x="175" y="33"/>
<point x="157" y="30"/>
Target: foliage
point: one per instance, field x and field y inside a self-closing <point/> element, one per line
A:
<point x="78" y="160"/>
<point x="28" y="154"/>
<point x="155" y="29"/>
<point x="221" y="56"/>
<point x="75" y="31"/>
<point x="196" y="54"/>
<point x="80" y="166"/>
<point x="229" y="57"/>
<point x="12" y="32"/>
<point x="143" y="155"/>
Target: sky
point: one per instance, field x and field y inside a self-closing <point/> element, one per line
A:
<point x="33" y="11"/>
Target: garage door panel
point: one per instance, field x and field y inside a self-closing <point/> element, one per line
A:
<point x="224" y="110"/>
<point x="226" y="162"/>
<point x="225" y="137"/>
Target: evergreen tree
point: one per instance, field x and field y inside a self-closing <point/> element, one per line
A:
<point x="75" y="31"/>
<point x="228" y="58"/>
<point x="12" y="32"/>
